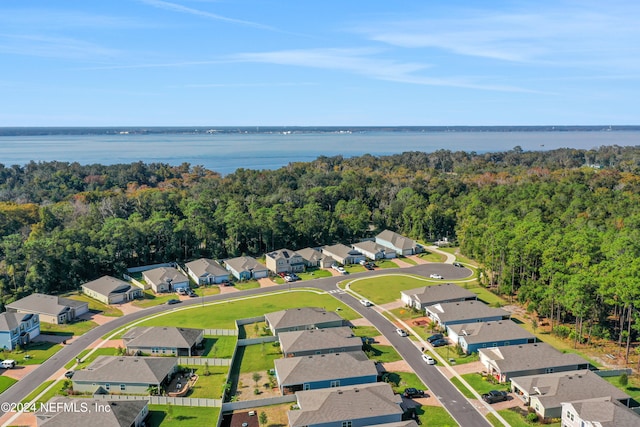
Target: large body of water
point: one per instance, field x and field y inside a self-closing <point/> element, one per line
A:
<point x="225" y="152"/>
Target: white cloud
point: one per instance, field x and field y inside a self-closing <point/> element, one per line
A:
<point x="53" y="47"/>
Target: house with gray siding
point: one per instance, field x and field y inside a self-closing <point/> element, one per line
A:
<point x="206" y="271"/>
<point x="109" y="290"/>
<point x="419" y="298"/>
<point x="354" y="406"/>
<point x="103" y="413"/>
<point x="50" y="308"/>
<point x="323" y="371"/>
<point x="246" y="268"/>
<point x="603" y="412"/>
<point x="474" y="336"/>
<point x="398" y="243"/>
<point x="528" y="359"/>
<point x="319" y="341"/>
<point x="302" y="318"/>
<point x="124" y="374"/>
<point x="452" y="313"/>
<point x="163" y="340"/>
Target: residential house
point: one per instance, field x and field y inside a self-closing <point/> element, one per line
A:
<point x="284" y="261"/>
<point x="163" y="341"/>
<point x="315" y="258"/>
<point x="319" y="341"/>
<point x="546" y="393"/>
<point x="64" y="411"/>
<point x="18" y="329"/>
<point x="109" y="290"/>
<point x="398" y="243"/>
<point x="420" y="298"/>
<point x="125" y="375"/>
<point x="206" y="271"/>
<point x="246" y="268"/>
<point x="50" y="308"/>
<point x="373" y="250"/>
<point x="602" y="412"/>
<point x="343" y="254"/>
<point x="165" y="279"/>
<point x="355" y="406"/>
<point x="300" y="319"/>
<point x="528" y="359"/>
<point x="324" y="371"/>
<point x="474" y="336"/>
<point x="451" y="313"/>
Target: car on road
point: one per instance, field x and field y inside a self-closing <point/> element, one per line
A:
<point x="366" y="302"/>
<point x="436" y="276"/>
<point x="401" y="332"/>
<point x="457" y="264"/>
<point x="173" y="301"/>
<point x="495" y="396"/>
<point x="434" y="337"/>
<point x="428" y="359"/>
<point x="439" y="343"/>
<point x="413" y="392"/>
<point x="69" y="374"/>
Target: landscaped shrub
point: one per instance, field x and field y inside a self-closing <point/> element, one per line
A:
<point x="561" y="331"/>
<point x="532" y="417"/>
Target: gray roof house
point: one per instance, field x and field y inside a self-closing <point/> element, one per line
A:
<point x="451" y="313"/>
<point x="165" y="279"/>
<point x="398" y="243"/>
<point x="319" y="341"/>
<point x="343" y="254"/>
<point x="124" y="374"/>
<point x="163" y="341"/>
<point x="110" y="290"/>
<point x="324" y="370"/>
<point x="299" y="319"/>
<point x="528" y="359"/>
<point x="246" y="268"/>
<point x="477" y="335"/>
<point x="284" y="261"/>
<point x="373" y="250"/>
<point x="355" y="406"/>
<point x="315" y="258"/>
<point x="18" y="329"/>
<point x="50" y="309"/>
<point x="602" y="412"/>
<point x="104" y="413"/>
<point x="420" y="298"/>
<point x="206" y="271"/>
<point x="546" y="393"/>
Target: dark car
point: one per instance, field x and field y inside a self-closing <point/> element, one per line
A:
<point x="434" y="337"/>
<point x="69" y="374"/>
<point x="457" y="264"/>
<point x="495" y="396"/>
<point x="439" y="343"/>
<point x="413" y="392"/>
<point x="173" y="301"/>
<point x="192" y="294"/>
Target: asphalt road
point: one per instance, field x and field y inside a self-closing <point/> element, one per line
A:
<point x="451" y="398"/>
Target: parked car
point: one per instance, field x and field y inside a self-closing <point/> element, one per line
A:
<point x="369" y="266"/>
<point x="401" y="332"/>
<point x="457" y="264"/>
<point x="288" y="278"/>
<point x="173" y="301"/>
<point x="181" y="291"/>
<point x="192" y="294"/>
<point x="8" y="364"/>
<point x="294" y="276"/>
<point x="339" y="269"/>
<point x="413" y="392"/>
<point x="495" y="396"/>
<point x="428" y="359"/>
<point x="439" y="343"/>
<point x="434" y="337"/>
<point x="363" y="262"/>
<point x="366" y="302"/>
<point x="69" y="374"/>
<point x="436" y="276"/>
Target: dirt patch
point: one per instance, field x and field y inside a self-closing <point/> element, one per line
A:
<point x="100" y="319"/>
<point x="265" y="282"/>
<point x="360" y="322"/>
<point x="247" y="386"/>
<point x="228" y="289"/>
<point x="399" y="366"/>
<point x="392" y="305"/>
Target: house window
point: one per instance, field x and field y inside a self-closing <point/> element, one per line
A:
<point x="107" y="387"/>
<point x="335" y="383"/>
<point x="548" y="371"/>
<point x="346" y="424"/>
<point x="306" y="386"/>
<point x="571" y="416"/>
<point x="123" y="387"/>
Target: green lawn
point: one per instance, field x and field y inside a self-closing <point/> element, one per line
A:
<point x="79" y="327"/>
<point x="401" y="380"/>
<point x="207" y="290"/>
<point x="459" y="257"/>
<point x="515" y="419"/>
<point x="382" y="353"/>
<point x="6" y="382"/>
<point x="481" y="385"/>
<point x="381" y="290"/>
<point x="258" y="357"/>
<point x="35" y="353"/>
<point x="632" y="388"/>
<point x="103" y="351"/>
<point x="223" y="315"/>
<point x="385" y="263"/>
<point x="54" y="390"/>
<point x="249" y="284"/>
<point x="221" y="347"/>
<point x="95" y="305"/>
<point x="432" y="256"/>
<point x="435" y="416"/>
<point x="408" y="260"/>
<point x="365" y="331"/>
<point x="463" y="389"/>
<point x="448" y="352"/>
<point x="150" y="299"/>
<point x="208" y="386"/>
<point x="182" y="416"/>
<point x="316" y="273"/>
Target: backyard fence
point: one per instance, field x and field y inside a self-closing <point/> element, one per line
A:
<point x="200" y="361"/>
<point x="613" y="372"/>
<point x="249" y="320"/>
<point x="259" y="340"/>
<point x="221" y="332"/>
<point x="164" y="400"/>
<point x="233" y="406"/>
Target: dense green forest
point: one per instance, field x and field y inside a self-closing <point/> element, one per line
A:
<point x="558" y="230"/>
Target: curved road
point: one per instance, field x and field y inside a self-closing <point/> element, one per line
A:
<point x="464" y="413"/>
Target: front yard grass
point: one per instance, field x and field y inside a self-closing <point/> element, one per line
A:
<point x="384" y="289"/>
<point x="79" y="327"/>
<point x="408" y="260"/>
<point x="382" y="353"/>
<point x="385" y="263"/>
<point x="182" y="416"/>
<point x="462" y="388"/>
<point x="401" y="380"/>
<point x="224" y="314"/>
<point x="435" y="416"/>
<point x="208" y="386"/>
<point x="432" y="256"/>
<point x="5" y="383"/>
<point x="482" y="385"/>
<point x="452" y="354"/>
<point x="220" y="347"/>
<point x="207" y="290"/>
<point x="95" y="305"/>
<point x="34" y="353"/>
<point x="516" y="419"/>
<point x="365" y="331"/>
<point x="248" y="284"/>
<point x="54" y="390"/>
<point x="150" y="299"/>
<point x="316" y="273"/>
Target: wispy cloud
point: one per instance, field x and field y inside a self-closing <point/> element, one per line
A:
<point x="236" y="85"/>
<point x="53" y="47"/>
<point x="174" y="7"/>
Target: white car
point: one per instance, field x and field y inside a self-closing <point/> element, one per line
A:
<point x="428" y="359"/>
<point x="436" y="276"/>
<point x="366" y="302"/>
<point x="401" y="332"/>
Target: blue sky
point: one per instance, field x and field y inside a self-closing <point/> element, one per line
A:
<point x="313" y="63"/>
